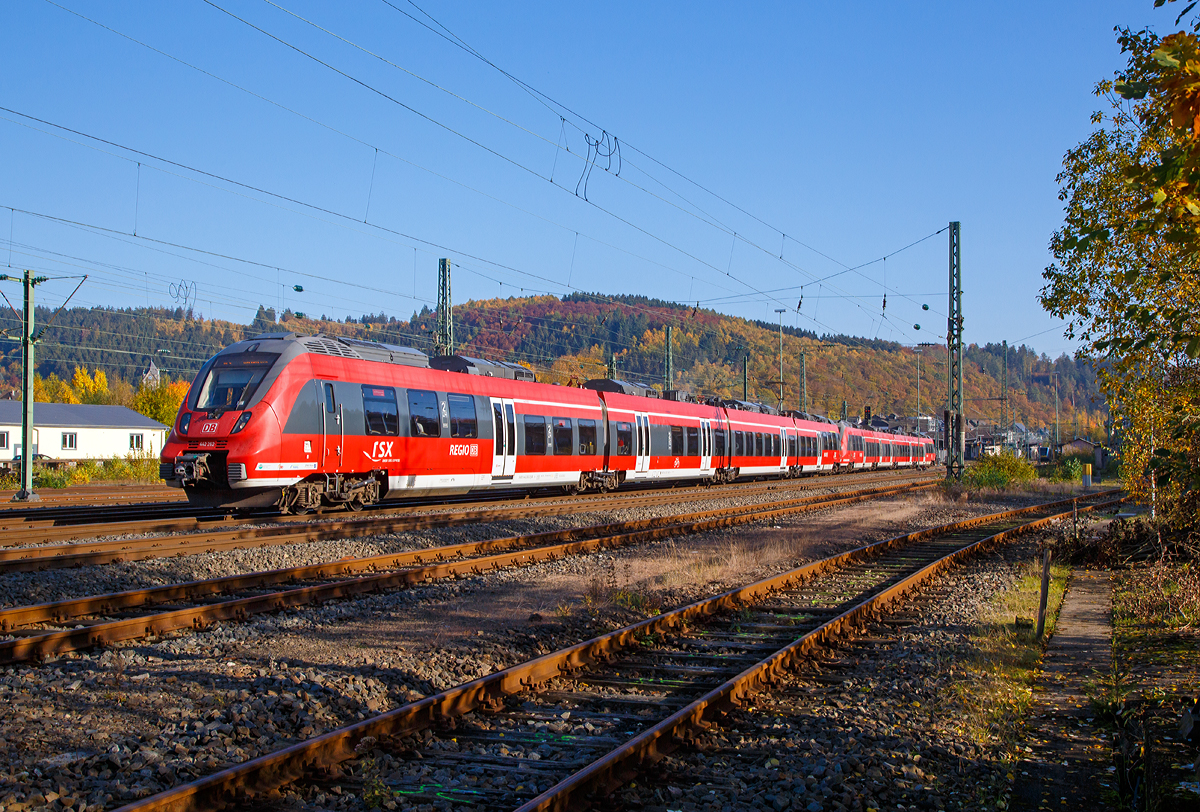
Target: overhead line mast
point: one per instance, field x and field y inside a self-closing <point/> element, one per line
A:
<point x="955" y="430"/>
<point x="443" y="341"/>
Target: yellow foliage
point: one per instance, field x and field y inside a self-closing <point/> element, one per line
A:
<point x="90" y="388"/>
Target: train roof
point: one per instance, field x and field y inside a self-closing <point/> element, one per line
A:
<point x="621" y="387"/>
<point x="478" y="366"/>
<point x="338" y="346"/>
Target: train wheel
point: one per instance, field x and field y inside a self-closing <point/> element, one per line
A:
<point x="354" y="505"/>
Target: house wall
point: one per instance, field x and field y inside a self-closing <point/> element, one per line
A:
<point x="91" y="443"/>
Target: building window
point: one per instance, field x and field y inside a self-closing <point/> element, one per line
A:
<point x="68" y="441"/>
<point x="3" y="439"/>
<point x="135" y="442"/>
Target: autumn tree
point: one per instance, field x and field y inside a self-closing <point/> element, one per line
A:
<point x="1127" y="271"/>
<point x="161" y="402"/>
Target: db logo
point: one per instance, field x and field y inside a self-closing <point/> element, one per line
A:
<point x="382" y="449"/>
<point x="209" y="428"/>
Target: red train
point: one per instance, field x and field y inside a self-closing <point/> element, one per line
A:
<point x="300" y="422"/>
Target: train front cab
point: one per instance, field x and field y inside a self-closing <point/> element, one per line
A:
<point x="227" y="423"/>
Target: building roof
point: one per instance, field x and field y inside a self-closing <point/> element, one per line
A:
<point x="77" y="415"/>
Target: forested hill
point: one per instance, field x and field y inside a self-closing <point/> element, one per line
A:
<point x="572" y="339"/>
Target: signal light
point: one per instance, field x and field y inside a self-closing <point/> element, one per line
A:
<point x="241" y="423"/>
<point x="184" y="422"/>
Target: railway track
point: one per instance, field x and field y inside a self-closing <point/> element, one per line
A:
<point x="38" y="631"/>
<point x="90" y="495"/>
<point x="30" y="549"/>
<point x="544" y="734"/>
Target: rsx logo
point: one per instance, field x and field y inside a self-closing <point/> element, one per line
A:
<point x="382" y="449"/>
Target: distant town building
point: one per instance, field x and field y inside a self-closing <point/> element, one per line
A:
<point x="79" y="431"/>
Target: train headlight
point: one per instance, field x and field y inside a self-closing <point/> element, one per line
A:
<point x="184" y="422"/>
<point x="241" y="423"/>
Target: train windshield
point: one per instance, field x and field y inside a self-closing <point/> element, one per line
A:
<point x="231" y="381"/>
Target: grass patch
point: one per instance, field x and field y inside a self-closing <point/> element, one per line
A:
<point x="1156" y="673"/>
<point x="1007" y="656"/>
<point x="136" y="467"/>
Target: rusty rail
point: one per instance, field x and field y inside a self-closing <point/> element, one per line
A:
<point x="397" y="519"/>
<point x="273" y="770"/>
<point x="239" y="609"/>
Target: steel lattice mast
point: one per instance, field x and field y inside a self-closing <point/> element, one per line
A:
<point x="955" y="430"/>
<point x="443" y="341"/>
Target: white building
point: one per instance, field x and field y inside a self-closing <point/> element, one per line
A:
<point x="75" y="431"/>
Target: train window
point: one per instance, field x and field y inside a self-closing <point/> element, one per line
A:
<point x="757" y="451"/>
<point x="535" y="434"/>
<point x="562" y="435"/>
<point x="498" y="427"/>
<point x="463" y="423"/>
<point x="423" y="409"/>
<point x="676" y="441"/>
<point x="231" y="381"/>
<point x="777" y="445"/>
<point x="624" y="439"/>
<point x="719" y="442"/>
<point x="330" y="399"/>
<point x="510" y="417"/>
<point x="587" y="437"/>
<point x="693" y="441"/>
<point x="380" y="414"/>
<point x="792" y="450"/>
<point x="737" y="444"/>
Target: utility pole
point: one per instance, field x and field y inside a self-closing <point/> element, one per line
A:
<point x="669" y="379"/>
<point x="803" y="383"/>
<point x="780" y="311"/>
<point x="612" y="367"/>
<point x="918" y="392"/>
<point x="443" y="342"/>
<point x="26" y="494"/>
<point x="746" y="377"/>
<point x="954" y="346"/>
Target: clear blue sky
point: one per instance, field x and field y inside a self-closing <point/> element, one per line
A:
<point x="853" y="128"/>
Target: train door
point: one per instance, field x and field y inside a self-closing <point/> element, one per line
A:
<point x="333" y="433"/>
<point x="783" y="449"/>
<point x="504" y="430"/>
<point x="705" y="446"/>
<point x="642" y="440"/>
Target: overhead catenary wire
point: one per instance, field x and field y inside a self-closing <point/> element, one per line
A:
<point x="409" y="236"/>
<point x="558" y="107"/>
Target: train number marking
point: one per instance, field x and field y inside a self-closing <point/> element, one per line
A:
<point x="464" y="450"/>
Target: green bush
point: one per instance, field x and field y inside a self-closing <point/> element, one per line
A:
<point x="1068" y="469"/>
<point x="998" y="471"/>
<point x="51" y="478"/>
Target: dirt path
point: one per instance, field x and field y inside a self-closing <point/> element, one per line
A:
<point x="1066" y="754"/>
